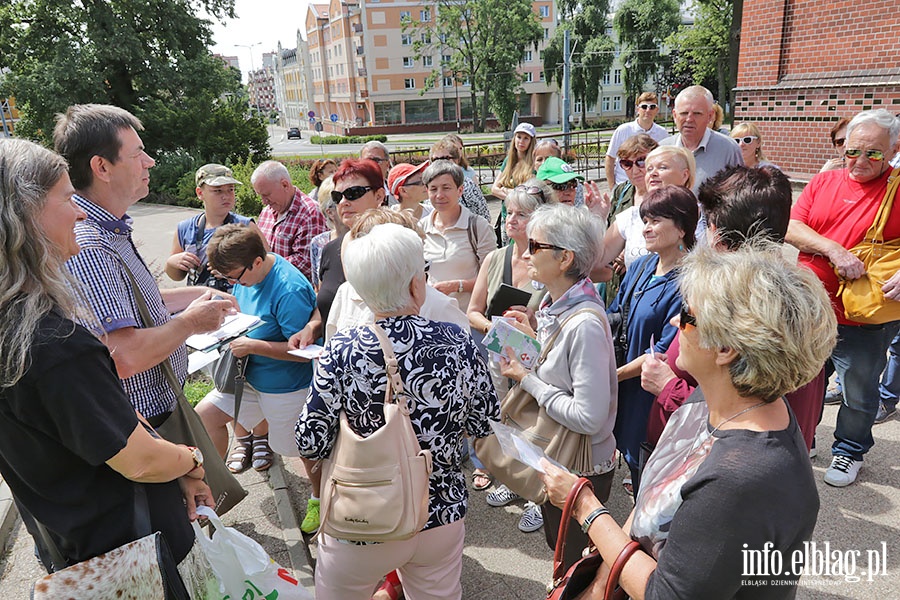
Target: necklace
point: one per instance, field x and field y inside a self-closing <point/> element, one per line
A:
<point x="735" y="416"/>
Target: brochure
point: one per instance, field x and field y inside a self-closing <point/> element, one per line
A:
<point x="233" y="327"/>
<point x="311" y="352"/>
<point x="514" y="445"/>
<point x="504" y="335"/>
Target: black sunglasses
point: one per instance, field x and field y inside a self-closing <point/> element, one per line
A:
<point x="638" y="162"/>
<point x="561" y="187"/>
<point x="685" y="318"/>
<point x="534" y="246"/>
<point x="351" y="193"/>
<point x="530" y="189"/>
<point x="434" y="158"/>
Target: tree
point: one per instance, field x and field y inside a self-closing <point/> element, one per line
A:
<point x="485" y="40"/>
<point x="150" y="57"/>
<point x="593" y="53"/>
<point x="642" y="26"/>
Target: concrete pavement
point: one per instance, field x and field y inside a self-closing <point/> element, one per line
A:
<point x="499" y="561"/>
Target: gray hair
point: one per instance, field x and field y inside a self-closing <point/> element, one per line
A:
<point x="377" y="145"/>
<point x="549" y="143"/>
<point x="444" y="167"/>
<point x="570" y="228"/>
<point x="381" y="264"/>
<point x="33" y="280"/>
<point x="529" y="202"/>
<point x="696" y="91"/>
<point x="775" y="315"/>
<point x="271" y="170"/>
<point x="880" y="117"/>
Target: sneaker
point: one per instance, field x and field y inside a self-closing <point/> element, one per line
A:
<point x="501" y="496"/>
<point x="310" y="522"/>
<point x="834" y="396"/>
<point x="532" y="519"/>
<point x="813" y="452"/>
<point x="843" y="471"/>
<point x="884" y="413"/>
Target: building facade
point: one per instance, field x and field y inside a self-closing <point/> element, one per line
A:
<point x="804" y="65"/>
<point x="261" y="85"/>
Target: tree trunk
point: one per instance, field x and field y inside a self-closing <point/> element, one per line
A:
<point x="734" y="48"/>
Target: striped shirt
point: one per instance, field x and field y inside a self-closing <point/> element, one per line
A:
<point x="106" y="250"/>
<point x="289" y="235"/>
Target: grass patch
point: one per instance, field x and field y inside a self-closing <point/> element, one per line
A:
<point x="196" y="387"/>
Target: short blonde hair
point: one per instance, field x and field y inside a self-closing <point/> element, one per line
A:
<point x="745" y="128"/>
<point x="381" y="215"/>
<point x="684" y="155"/>
<point x="775" y="315"/>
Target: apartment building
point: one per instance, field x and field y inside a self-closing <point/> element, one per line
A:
<point x="293" y="91"/>
<point x="261" y="85"/>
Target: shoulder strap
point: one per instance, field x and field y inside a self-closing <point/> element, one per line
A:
<point x="394" y="391"/>
<point x="545" y="349"/>
<point x="201" y="229"/>
<point x="507" y="265"/>
<point x="473" y="238"/>
<point x="876" y="231"/>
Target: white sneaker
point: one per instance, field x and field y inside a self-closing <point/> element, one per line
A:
<point x="843" y="471"/>
<point x="501" y="496"/>
<point x="531" y="519"/>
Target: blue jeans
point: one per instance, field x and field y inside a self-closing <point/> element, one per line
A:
<point x="890" y="379"/>
<point x="859" y="358"/>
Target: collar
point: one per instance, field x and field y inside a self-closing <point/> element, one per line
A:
<point x="103" y="217"/>
<point x="461" y="223"/>
<point x="703" y="141"/>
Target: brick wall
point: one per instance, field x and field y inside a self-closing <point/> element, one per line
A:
<point x="804" y="64"/>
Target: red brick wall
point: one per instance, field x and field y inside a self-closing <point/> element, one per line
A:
<point x="804" y="64"/>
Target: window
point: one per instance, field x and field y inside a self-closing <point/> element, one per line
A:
<point x="407" y="62"/>
<point x="545" y="12"/>
<point x="387" y="113"/>
<point x="404" y="15"/>
<point x="541" y="55"/>
<point x="445" y="59"/>
<point x="617" y="103"/>
<point x="406" y="39"/>
<point x="605" y="79"/>
<point x="448" y="82"/>
<point x="422" y="111"/>
<point x="427" y="61"/>
<point x="617" y="77"/>
<point x="576" y="109"/>
<point x="528" y="56"/>
<point x="528" y="77"/>
<point x="606" y="103"/>
<point x="541" y="76"/>
<point x="546" y="33"/>
<point x="426" y="38"/>
<point x="425" y="15"/>
<point x="409" y="84"/>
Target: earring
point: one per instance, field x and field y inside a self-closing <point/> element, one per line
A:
<point x="681" y="247"/>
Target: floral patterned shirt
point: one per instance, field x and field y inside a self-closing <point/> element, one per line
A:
<point x="449" y="393"/>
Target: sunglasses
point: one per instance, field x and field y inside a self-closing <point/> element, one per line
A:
<point x="351" y="193"/>
<point x="685" y="318"/>
<point x="434" y="158"/>
<point x="638" y="162"/>
<point x="876" y="155"/>
<point x="379" y="160"/>
<point x="561" y="187"/>
<point x="648" y="106"/>
<point x="839" y="142"/>
<point x="747" y="139"/>
<point x="534" y="246"/>
<point x="234" y="280"/>
<point x="412" y="183"/>
<point x="530" y="189"/>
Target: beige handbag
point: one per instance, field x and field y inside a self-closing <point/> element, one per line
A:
<point x="521" y="411"/>
<point x="375" y="488"/>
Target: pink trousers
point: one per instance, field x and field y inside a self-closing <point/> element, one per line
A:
<point x="430" y="565"/>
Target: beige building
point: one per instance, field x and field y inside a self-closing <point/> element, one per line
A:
<point x="293" y="93"/>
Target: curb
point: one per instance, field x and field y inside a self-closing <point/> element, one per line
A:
<point x="293" y="538"/>
<point x="9" y="514"/>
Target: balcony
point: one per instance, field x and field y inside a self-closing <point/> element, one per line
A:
<point x="361" y="72"/>
<point x="360" y="50"/>
<point x="357" y="28"/>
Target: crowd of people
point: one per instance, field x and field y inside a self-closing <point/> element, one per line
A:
<point x="675" y="338"/>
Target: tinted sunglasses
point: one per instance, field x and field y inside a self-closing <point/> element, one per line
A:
<point x="534" y="246"/>
<point x="839" y="141"/>
<point x="876" y="155"/>
<point x="685" y="318"/>
<point x="638" y="162"/>
<point x="561" y="187"/>
<point x="351" y="193"/>
<point x="530" y="189"/>
<point x="648" y="106"/>
<point x="747" y="139"/>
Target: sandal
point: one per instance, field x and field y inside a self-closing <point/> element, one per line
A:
<point x="262" y="453"/>
<point x="239" y="460"/>
<point x="629" y="488"/>
<point x="481" y="480"/>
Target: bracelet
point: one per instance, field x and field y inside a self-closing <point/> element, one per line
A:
<point x="460" y="286"/>
<point x="589" y="520"/>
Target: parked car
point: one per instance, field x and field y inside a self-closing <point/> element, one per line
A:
<point x="293" y="133"/>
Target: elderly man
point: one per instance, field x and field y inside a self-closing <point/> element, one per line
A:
<point x="712" y="150"/>
<point x="831" y="216"/>
<point x="646" y="107"/>
<point x="111" y="171"/>
<point x="290" y="218"/>
<point x="378" y="152"/>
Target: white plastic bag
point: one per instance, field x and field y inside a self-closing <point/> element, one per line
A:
<point x="243" y="568"/>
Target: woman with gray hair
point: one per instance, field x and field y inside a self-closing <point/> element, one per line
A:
<point x="576" y="383"/>
<point x="730" y="477"/>
<point x="450" y="394"/>
<point x="73" y="450"/>
<point x="456" y="240"/>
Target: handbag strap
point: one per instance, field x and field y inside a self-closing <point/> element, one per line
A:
<point x="616" y="571"/>
<point x="548" y="345"/>
<point x="507" y="266"/>
<point x="875" y="234"/>
<point x="394" y="391"/>
<point x="559" y="570"/>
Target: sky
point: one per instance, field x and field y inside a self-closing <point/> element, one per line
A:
<point x="264" y="21"/>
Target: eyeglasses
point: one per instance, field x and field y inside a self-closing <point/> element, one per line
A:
<point x="747" y="139"/>
<point x="561" y="187"/>
<point x="351" y="193"/>
<point x="839" y="142"/>
<point x="530" y="189"/>
<point x="234" y="280"/>
<point x="379" y="160"/>
<point x="427" y="266"/>
<point x="876" y="155"/>
<point x="638" y="162"/>
<point x="686" y="319"/>
<point x="412" y="183"/>
<point x="534" y="246"/>
<point x="648" y="106"/>
<point x="434" y="158"/>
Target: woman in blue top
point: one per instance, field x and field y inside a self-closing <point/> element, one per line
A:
<point x="650" y="293"/>
<point x="268" y="286"/>
<point x="215" y="188"/>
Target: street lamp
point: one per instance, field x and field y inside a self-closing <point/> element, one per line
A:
<point x="249" y="47"/>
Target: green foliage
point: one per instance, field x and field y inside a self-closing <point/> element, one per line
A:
<point x="642" y="26"/>
<point x="197" y="387"/>
<point x="150" y="57"/>
<point x="703" y="49"/>
<point x="346" y="139"/>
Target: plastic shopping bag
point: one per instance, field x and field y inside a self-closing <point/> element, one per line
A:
<point x="243" y="568"/>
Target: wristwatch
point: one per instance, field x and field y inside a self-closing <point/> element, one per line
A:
<point x="197" y="456"/>
<point x="460" y="286"/>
